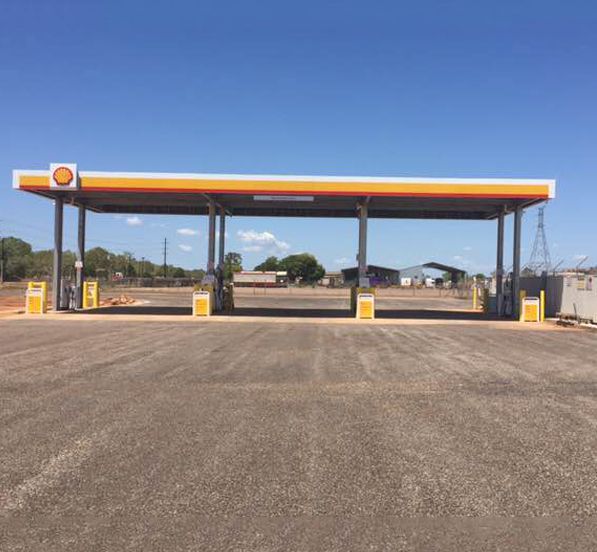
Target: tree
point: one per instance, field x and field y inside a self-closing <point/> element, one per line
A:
<point x="303" y="266"/>
<point x="41" y="264"/>
<point x="232" y="263"/>
<point x="17" y="258"/>
<point x="271" y="263"/>
<point x="68" y="264"/>
<point x="20" y="262"/>
<point x="196" y="274"/>
<point x="98" y="261"/>
<point x="178" y="272"/>
<point x="16" y="247"/>
<point x="123" y="263"/>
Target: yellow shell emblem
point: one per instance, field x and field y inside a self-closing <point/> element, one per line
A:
<point x="63" y="176"/>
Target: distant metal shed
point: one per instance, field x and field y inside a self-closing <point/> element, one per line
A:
<point x="378" y="275"/>
<point x="417" y="271"/>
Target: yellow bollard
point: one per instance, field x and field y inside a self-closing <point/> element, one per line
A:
<point x="474" y="298"/>
<point x="36" y="298"/>
<point x="90" y="295"/>
<point x="542" y="302"/>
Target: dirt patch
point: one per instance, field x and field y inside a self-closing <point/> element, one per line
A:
<point x="116" y="301"/>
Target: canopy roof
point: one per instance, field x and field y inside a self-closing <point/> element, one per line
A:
<point x="370" y="268"/>
<point x="445" y="268"/>
<point x="416" y="270"/>
<point x="308" y="196"/>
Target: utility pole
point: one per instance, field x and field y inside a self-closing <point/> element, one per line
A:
<point x="165" y="253"/>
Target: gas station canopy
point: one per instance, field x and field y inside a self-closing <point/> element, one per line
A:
<point x="284" y="196"/>
<point x="287" y="196"/>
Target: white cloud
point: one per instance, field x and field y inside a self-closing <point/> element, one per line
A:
<point x="185" y="247"/>
<point x="134" y="221"/>
<point x="260" y="241"/>
<point x="579" y="256"/>
<point x="470" y="265"/>
<point x="342" y="261"/>
<point x="467" y="248"/>
<point x="187" y="232"/>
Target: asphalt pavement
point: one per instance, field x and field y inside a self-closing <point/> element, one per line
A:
<point x="251" y="436"/>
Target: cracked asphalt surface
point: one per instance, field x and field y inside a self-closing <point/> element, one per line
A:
<point x="247" y="436"/>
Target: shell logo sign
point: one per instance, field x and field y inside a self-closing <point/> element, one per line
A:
<point x="64" y="176"/>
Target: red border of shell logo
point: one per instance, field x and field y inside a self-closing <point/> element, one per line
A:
<point x="63" y="176"/>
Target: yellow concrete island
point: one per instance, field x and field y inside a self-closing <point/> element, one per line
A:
<point x="36" y="298"/>
<point x="90" y="295"/>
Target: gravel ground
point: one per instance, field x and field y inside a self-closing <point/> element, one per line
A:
<point x="247" y="436"/>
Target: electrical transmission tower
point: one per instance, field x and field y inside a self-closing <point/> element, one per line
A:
<point x="540" y="260"/>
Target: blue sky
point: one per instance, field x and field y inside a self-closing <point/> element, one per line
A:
<point x="453" y="88"/>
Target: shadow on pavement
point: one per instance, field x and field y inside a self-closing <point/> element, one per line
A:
<point x="388" y="314"/>
<point x="141" y="310"/>
<point x="433" y="314"/>
<point x="291" y="313"/>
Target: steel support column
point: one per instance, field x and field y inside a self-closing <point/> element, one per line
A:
<point x="499" y="266"/>
<point x="362" y="256"/>
<point x="80" y="273"/>
<point x="57" y="267"/>
<point x="220" y="270"/>
<point x="211" y="244"/>
<point x="516" y="263"/>
<point x="222" y="245"/>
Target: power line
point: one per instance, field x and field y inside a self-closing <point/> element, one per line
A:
<point x="69" y="243"/>
<point x="16" y="224"/>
